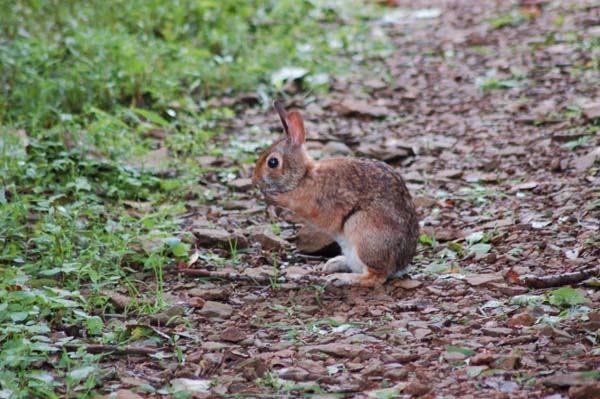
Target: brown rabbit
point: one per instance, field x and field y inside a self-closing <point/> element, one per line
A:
<point x="363" y="204"/>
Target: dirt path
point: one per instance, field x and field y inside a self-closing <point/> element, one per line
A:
<point x="485" y="109"/>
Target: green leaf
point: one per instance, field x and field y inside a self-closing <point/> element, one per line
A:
<point x="474" y="371"/>
<point x="474" y="237"/>
<point x="566" y="296"/>
<point x="426" y="240"/>
<point x="151" y="116"/>
<point x="94" y="325"/>
<point x="480" y="248"/>
<point x="388" y="393"/>
<point x="80" y="373"/>
<point x="524" y="300"/>
<point x="464" y="351"/>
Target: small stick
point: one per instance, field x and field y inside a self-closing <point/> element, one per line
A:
<point x="117" y="350"/>
<point x="560" y="279"/>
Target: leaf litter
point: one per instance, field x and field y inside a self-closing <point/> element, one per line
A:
<point x="455" y="327"/>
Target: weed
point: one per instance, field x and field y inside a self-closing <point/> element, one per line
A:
<point x="273" y="279"/>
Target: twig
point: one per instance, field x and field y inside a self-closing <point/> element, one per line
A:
<point x="560" y="279"/>
<point x="114" y="349"/>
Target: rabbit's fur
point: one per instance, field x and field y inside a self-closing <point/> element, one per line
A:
<point x="363" y="204"/>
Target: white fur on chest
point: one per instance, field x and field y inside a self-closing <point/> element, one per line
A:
<point x="349" y="251"/>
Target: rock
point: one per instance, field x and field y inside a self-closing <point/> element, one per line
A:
<point x="591" y="110"/>
<point x="482" y="279"/>
<point x="333" y="148"/>
<point x="233" y="334"/>
<point x="242" y="184"/>
<point x="209" y="238"/>
<point x="496" y="331"/>
<point x="521" y="319"/>
<point x="334" y="349"/>
<point x="591" y="391"/>
<point x="416" y="389"/>
<point x="267" y="239"/>
<point x="216" y="310"/>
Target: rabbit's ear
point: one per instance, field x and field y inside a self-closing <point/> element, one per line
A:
<point x="278" y="105"/>
<point x="296" y="132"/>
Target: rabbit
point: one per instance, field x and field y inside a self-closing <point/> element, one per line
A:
<point x="362" y="204"/>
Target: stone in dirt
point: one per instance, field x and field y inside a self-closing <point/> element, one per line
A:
<point x="209" y="238"/>
<point x="233" y="334"/>
<point x="216" y="310"/>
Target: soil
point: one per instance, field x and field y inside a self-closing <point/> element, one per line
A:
<point x="495" y="133"/>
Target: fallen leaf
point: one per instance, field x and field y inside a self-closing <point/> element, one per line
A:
<point x="354" y="107"/>
<point x="482" y="279"/>
<point x="407" y="284"/>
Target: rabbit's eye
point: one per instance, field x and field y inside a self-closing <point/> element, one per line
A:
<point x="273" y="162"/>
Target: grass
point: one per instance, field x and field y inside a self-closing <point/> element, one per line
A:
<point x="97" y="100"/>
